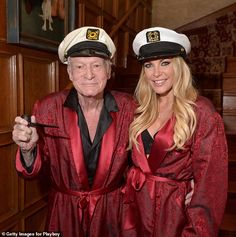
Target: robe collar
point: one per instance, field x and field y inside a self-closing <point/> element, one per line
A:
<point x="72" y="101"/>
<point x="163" y="140"/>
<point x="71" y="105"/>
<point x="105" y="120"/>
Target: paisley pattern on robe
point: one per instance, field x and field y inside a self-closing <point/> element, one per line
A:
<point x="154" y="197"/>
<point x="75" y="208"/>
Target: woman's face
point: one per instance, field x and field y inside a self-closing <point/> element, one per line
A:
<point x="159" y="73"/>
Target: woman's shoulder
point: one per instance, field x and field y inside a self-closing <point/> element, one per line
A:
<point x="205" y="104"/>
<point x="206" y="111"/>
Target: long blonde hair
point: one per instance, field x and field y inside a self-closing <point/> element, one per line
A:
<point x="183" y="107"/>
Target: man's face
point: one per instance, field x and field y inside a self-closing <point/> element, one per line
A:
<point x="89" y="75"/>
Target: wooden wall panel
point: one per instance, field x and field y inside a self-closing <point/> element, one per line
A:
<point x="95" y="2"/>
<point x="121" y="8"/>
<point x="230" y="64"/>
<point x="92" y="15"/>
<point x="229" y="96"/>
<point x="229" y="103"/>
<point x="140" y="21"/>
<point x="3" y="20"/>
<point x="229" y="82"/>
<point x="8" y="104"/>
<point x="40" y="79"/>
<point x="8" y="90"/>
<point x="35" y="190"/>
<point x="121" y="54"/>
<point x="110" y="7"/>
<point x="12" y="227"/>
<point x="32" y="222"/>
<point x="229" y="116"/>
<point x="141" y="16"/>
<point x="25" y="77"/>
<point x="231" y="147"/>
<point x="230" y="123"/>
<point x="64" y="80"/>
<point x="9" y="205"/>
<point x="108" y="24"/>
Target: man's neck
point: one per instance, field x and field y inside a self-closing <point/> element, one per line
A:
<point x="91" y="103"/>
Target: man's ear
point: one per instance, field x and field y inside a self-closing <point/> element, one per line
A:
<point x="109" y="73"/>
<point x="69" y="72"/>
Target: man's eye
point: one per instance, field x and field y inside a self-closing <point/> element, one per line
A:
<point x="78" y="67"/>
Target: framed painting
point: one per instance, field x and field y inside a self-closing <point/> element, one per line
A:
<point x="40" y="24"/>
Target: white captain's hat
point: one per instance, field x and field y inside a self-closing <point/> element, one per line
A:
<point x="158" y="42"/>
<point x="86" y="41"/>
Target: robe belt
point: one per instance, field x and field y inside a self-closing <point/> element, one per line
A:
<point x="136" y="179"/>
<point x="86" y="198"/>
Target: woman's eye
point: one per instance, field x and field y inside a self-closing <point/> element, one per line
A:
<point x="165" y="63"/>
<point x="147" y="65"/>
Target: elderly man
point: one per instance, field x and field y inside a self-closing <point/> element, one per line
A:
<point x="85" y="149"/>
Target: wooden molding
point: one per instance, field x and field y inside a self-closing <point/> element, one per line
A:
<point x="206" y="20"/>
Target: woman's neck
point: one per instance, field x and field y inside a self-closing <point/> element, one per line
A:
<point x="165" y="104"/>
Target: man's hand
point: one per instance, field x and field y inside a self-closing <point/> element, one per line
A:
<point x="24" y="136"/>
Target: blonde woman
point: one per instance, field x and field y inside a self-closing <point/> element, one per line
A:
<point x="176" y="136"/>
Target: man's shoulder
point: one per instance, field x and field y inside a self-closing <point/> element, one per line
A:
<point x="59" y="95"/>
<point x="52" y="101"/>
<point x="122" y="96"/>
<point x="124" y="99"/>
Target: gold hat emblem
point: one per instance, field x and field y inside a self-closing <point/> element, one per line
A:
<point x="92" y="34"/>
<point x="153" y="36"/>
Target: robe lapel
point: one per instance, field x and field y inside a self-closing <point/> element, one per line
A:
<point x="163" y="140"/>
<point x="106" y="154"/>
<point x="76" y="145"/>
<point x="104" y="122"/>
<point x="139" y="157"/>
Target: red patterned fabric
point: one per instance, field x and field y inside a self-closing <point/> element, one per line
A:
<point x="75" y="209"/>
<point x="155" y="204"/>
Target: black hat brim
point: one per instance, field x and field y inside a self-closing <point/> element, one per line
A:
<point x="88" y="49"/>
<point x="161" y="50"/>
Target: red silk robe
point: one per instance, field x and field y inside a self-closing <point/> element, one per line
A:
<point x="75" y="209"/>
<point x="155" y="196"/>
